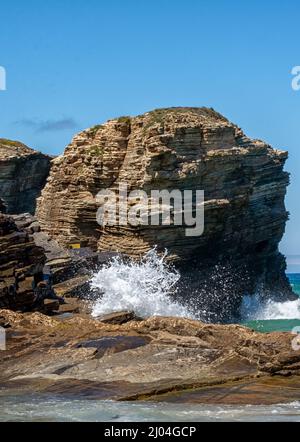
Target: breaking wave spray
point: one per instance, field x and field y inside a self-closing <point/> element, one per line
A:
<point x="149" y="286"/>
<point x="146" y="287"/>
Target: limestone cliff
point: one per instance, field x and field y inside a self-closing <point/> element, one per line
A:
<point x="179" y="148"/>
<point x="23" y="173"/>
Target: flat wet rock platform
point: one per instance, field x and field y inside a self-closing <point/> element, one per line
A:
<point x="158" y="359"/>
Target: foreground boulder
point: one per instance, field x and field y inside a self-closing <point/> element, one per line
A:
<point x="169" y="359"/>
<point x="23" y="174"/>
<point x="180" y="148"/>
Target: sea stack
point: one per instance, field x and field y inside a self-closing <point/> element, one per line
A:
<point x="23" y="174"/>
<point x="180" y="148"/>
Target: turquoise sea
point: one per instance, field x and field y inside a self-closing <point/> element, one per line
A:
<point x="279" y="317"/>
<point x="295" y="281"/>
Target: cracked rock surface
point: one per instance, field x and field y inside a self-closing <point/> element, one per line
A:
<point x="159" y="358"/>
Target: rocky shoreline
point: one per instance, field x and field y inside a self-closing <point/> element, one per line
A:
<point x="55" y="345"/>
<point x="158" y="359"/>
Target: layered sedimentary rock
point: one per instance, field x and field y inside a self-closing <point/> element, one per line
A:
<point x="22" y="244"/>
<point x="186" y="149"/>
<point x="159" y="359"/>
<point x="23" y="173"/>
<point x="21" y="266"/>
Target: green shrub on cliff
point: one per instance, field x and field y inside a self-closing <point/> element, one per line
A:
<point x="96" y="151"/>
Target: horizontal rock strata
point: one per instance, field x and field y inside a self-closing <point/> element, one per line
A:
<point x="21" y="266"/>
<point x="67" y="272"/>
<point x="23" y="174"/>
<point x="185" y="149"/>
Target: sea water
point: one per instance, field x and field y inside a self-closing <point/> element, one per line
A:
<point x="148" y="288"/>
<point x="273" y="316"/>
<point x="39" y="408"/>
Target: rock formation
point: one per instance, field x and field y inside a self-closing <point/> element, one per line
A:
<point x="2" y="206"/>
<point x="21" y="265"/>
<point x="180" y="148"/>
<point x="159" y="359"/>
<point x="28" y="256"/>
<point x="23" y="173"/>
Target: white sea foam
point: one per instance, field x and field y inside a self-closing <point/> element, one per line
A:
<point x="146" y="287"/>
<point x="41" y="408"/>
<point x="253" y="308"/>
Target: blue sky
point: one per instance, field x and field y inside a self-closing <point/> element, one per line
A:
<point x="72" y="64"/>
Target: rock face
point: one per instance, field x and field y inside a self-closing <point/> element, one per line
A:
<point x="21" y="264"/>
<point x="22" y="243"/>
<point x="179" y="148"/>
<point x="2" y="206"/>
<point x="23" y="173"/>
